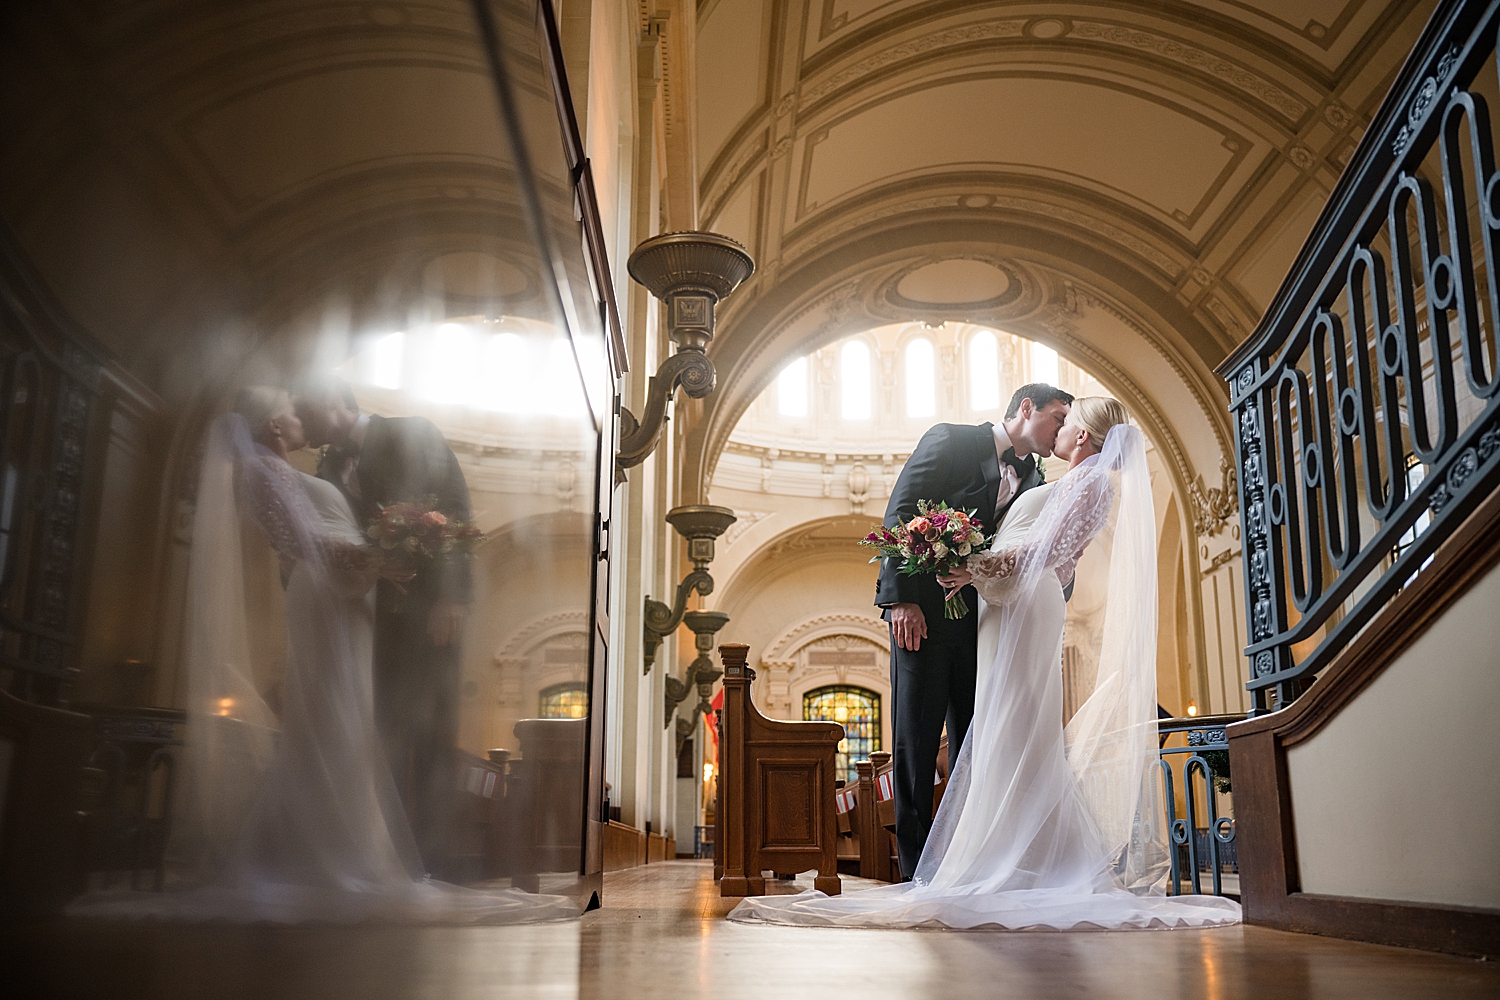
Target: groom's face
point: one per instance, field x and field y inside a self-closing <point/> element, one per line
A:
<point x="1044" y="423"/>
<point x="316" y="420"/>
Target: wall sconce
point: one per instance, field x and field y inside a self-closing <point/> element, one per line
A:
<point x="700" y="524"/>
<point x="691" y="273"/>
<point x="701" y="671"/>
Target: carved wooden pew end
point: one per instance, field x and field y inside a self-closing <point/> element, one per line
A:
<point x="776" y="790"/>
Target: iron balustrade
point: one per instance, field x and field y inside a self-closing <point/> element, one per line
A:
<point x="1361" y="446"/>
<point x="1191" y="845"/>
<point x="50" y="384"/>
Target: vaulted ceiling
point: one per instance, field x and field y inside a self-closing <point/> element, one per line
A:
<point x="1128" y="182"/>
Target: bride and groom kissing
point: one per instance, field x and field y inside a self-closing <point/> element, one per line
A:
<point x="1045" y="823"/>
<point x="337" y="806"/>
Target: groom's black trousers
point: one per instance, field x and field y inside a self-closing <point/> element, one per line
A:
<point x="931" y="686"/>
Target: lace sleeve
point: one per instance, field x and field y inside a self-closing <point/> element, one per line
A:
<point x="264" y="488"/>
<point x="1080" y="514"/>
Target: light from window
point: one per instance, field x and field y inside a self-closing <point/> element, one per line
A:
<point x="389" y="354"/>
<point x="854" y="372"/>
<point x="1043" y="364"/>
<point x="984" y="371"/>
<point x="791" y="389"/>
<point x="921" y="398"/>
<point x="857" y="709"/>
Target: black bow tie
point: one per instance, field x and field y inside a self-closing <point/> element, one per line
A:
<point x="1023" y="466"/>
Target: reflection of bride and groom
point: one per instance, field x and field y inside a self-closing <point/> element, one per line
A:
<point x="312" y="815"/>
<point x="335" y="808"/>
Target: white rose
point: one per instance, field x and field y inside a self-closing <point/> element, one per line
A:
<point x="965" y="549"/>
<point x="939" y="549"/>
<point x="906" y="551"/>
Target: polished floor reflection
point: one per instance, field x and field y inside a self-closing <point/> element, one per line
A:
<point x="660" y="935"/>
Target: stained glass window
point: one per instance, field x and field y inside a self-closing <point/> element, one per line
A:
<point x="564" y="701"/>
<point x="858" y="711"/>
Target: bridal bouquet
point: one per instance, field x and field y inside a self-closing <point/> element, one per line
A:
<point x="420" y="531"/>
<point x="937" y="540"/>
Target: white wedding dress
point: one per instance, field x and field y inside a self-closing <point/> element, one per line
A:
<point x="1042" y="828"/>
<point x="297" y="818"/>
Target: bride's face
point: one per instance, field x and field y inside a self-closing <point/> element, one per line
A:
<point x="290" y="426"/>
<point x="1073" y="443"/>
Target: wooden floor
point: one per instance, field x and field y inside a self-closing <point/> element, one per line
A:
<point x="660" y="935"/>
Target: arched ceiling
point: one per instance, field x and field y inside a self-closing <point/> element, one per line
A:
<point x="1127" y="182"/>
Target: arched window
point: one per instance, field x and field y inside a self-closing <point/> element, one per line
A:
<point x="984" y="371"/>
<point x="791" y="389"/>
<point x="857" y="709"/>
<point x="1043" y="364"/>
<point x="921" y="396"/>
<point x="854" y="374"/>
<point x="564" y="701"/>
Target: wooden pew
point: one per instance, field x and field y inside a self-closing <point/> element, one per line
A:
<point x="874" y="840"/>
<point x="846" y="807"/>
<point x="776" y="783"/>
<point x="49" y="795"/>
<point x="478" y="847"/>
<point x="545" y="799"/>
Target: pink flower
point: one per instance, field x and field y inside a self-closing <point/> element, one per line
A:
<point x="434" y="519"/>
<point x="919" y="525"/>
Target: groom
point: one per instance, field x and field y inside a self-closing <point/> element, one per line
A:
<point x="933" y="666"/>
<point x="375" y="461"/>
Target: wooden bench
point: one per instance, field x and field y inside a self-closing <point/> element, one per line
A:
<point x="875" y="826"/>
<point x="776" y="783"/>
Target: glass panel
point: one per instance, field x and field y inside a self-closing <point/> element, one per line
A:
<point x="857" y="709"/>
<point x="390" y="233"/>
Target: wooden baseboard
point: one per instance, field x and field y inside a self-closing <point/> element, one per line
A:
<point x="1458" y="930"/>
<point x="1270" y="880"/>
<point x="624" y="846"/>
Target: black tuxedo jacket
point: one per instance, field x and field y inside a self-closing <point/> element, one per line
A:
<point x="955" y="463"/>
<point x="407" y="460"/>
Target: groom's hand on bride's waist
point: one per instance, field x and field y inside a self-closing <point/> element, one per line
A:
<point x="908" y="625"/>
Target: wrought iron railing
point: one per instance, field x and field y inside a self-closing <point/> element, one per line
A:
<point x="1204" y="778"/>
<point x="48" y="389"/>
<point x="1365" y="405"/>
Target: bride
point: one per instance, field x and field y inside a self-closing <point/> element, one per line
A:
<point x="1046" y="826"/>
<point x="292" y="819"/>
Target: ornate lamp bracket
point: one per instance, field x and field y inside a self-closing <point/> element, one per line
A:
<point x="691" y="273"/>
<point x="700" y="524"/>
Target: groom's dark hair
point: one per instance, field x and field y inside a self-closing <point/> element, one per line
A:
<point x="1040" y="394"/>
<point x="328" y="387"/>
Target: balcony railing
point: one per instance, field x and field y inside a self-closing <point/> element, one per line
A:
<point x="1365" y="407"/>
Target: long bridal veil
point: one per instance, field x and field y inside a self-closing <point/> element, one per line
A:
<point x="289" y="816"/>
<point x="1043" y="827"/>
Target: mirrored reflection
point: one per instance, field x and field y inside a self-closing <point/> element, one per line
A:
<point x="335" y="234"/>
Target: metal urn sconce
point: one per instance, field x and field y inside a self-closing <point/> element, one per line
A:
<point x="701" y="671"/>
<point x="691" y="273"/>
<point x="700" y="524"/>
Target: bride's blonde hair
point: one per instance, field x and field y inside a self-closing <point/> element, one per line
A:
<point x="1097" y="414"/>
<point x="258" y="404"/>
